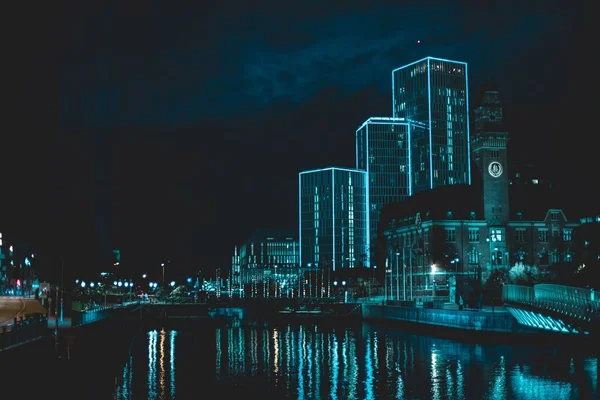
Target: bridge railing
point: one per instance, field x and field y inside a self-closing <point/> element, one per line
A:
<point x="518" y="294"/>
<point x="574" y="302"/>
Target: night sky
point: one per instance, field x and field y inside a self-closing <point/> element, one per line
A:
<point x="173" y="130"/>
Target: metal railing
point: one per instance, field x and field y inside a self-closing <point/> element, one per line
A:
<point x="24" y="330"/>
<point x="573" y="302"/>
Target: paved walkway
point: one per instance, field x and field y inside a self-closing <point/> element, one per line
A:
<point x="12" y="306"/>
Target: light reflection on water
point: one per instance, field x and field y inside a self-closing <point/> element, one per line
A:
<point x="312" y="362"/>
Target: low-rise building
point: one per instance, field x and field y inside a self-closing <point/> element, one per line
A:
<point x="268" y="264"/>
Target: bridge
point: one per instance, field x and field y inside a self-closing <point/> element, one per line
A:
<point x="554" y="307"/>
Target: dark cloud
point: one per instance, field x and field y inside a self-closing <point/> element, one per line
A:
<point x="171" y="63"/>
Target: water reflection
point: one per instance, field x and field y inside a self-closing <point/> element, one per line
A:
<point x="160" y="367"/>
<point x="349" y="364"/>
<point x="312" y="362"/>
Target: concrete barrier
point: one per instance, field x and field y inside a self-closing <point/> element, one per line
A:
<point x="468" y="320"/>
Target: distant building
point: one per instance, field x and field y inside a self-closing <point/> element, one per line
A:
<point x="333" y="218"/>
<point x="434" y="92"/>
<point x="452" y="234"/>
<point x="268" y="264"/>
<point x="383" y="150"/>
<point x="235" y="275"/>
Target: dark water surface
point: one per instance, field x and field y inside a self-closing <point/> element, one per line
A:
<point x="352" y="362"/>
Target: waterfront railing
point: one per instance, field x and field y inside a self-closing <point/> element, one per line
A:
<point x="23" y="330"/>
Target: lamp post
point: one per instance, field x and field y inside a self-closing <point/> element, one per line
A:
<point x="433" y="271"/>
<point x="163" y="275"/>
<point x="385" y="272"/>
<point x="62" y="286"/>
<point x="398" y="277"/>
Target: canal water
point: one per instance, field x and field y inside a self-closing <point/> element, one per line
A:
<point x="230" y="360"/>
<point x="309" y="361"/>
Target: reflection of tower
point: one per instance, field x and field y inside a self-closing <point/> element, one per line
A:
<point x="219" y="353"/>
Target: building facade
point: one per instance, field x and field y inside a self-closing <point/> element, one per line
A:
<point x="434" y="92"/>
<point x="268" y="263"/>
<point x="476" y="230"/>
<point x="334" y="219"/>
<point x="383" y="151"/>
<point x="460" y="245"/>
<point x="234" y="274"/>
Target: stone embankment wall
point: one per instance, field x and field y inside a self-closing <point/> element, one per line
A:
<point x="469" y="320"/>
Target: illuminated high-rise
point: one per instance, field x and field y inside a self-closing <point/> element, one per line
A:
<point x="383" y="151"/>
<point x="434" y="92"/>
<point x="333" y="218"/>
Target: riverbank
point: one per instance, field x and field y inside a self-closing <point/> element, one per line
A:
<point x="472" y="325"/>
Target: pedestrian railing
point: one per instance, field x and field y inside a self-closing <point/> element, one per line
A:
<point x="23" y="330"/>
<point x="572" y="302"/>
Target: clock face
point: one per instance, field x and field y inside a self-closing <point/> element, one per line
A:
<point x="495" y="169"/>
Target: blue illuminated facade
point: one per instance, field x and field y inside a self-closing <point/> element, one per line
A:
<point x="383" y="151"/>
<point x="266" y="264"/>
<point x="333" y="218"/>
<point x="434" y="92"/>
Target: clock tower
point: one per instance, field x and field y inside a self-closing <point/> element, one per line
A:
<point x="489" y="146"/>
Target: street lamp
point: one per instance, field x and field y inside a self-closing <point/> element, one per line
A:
<point x="433" y="272"/>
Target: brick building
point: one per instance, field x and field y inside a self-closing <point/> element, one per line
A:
<point x="437" y="239"/>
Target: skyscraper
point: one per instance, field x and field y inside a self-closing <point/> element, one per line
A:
<point x="434" y="92"/>
<point x="382" y="150"/>
<point x="333" y="218"/>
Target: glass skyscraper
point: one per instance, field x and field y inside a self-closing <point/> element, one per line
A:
<point x="383" y="151"/>
<point x="434" y="92"/>
<point x="333" y="218"/>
